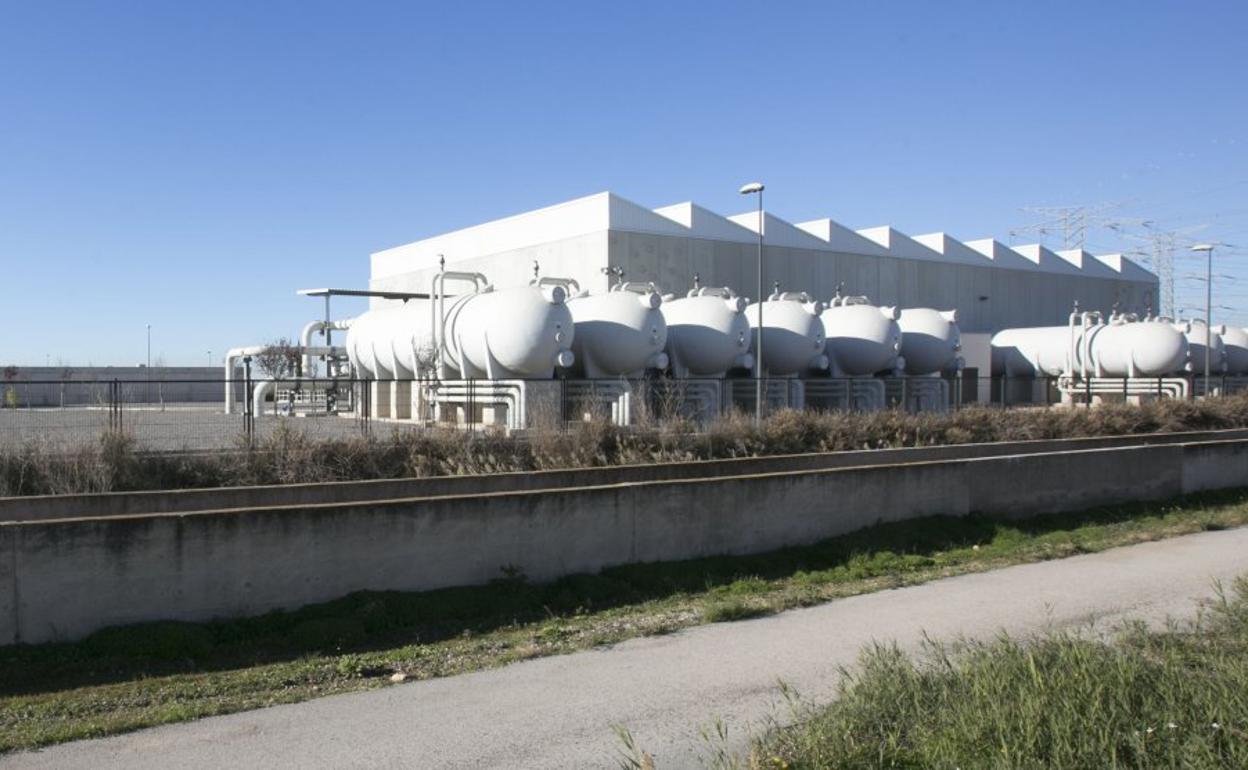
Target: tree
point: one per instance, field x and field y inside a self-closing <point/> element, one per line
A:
<point x="10" y="393"/>
<point x="279" y="359"/>
<point x="158" y="364"/>
<point x="67" y="374"/>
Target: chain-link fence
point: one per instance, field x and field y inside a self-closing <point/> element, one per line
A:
<point x="199" y="415"/>
<point x="181" y="415"/>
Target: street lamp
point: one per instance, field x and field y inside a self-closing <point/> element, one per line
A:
<point x="750" y="189"/>
<point x="148" y="368"/>
<point x="1208" y="249"/>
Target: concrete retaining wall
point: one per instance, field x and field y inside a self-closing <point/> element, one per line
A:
<point x="64" y="578"/>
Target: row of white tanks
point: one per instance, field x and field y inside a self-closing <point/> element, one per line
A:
<point x="552" y="325"/>
<point x="1120" y="346"/>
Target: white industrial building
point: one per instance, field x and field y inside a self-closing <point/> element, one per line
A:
<point x="992" y="286"/>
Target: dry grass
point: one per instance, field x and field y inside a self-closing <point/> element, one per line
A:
<point x="288" y="456"/>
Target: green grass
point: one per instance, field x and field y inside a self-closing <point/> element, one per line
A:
<point x="1175" y="698"/>
<point x="126" y="678"/>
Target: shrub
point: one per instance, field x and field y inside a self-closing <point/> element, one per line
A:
<point x="290" y="456"/>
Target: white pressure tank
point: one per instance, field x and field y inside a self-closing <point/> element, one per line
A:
<point x="1033" y="351"/>
<point x="793" y="341"/>
<point x="1195" y="331"/>
<point x="620" y="333"/>
<point x="930" y="340"/>
<point x="1235" y="343"/>
<point x="504" y="334"/>
<point x="707" y="333"/>
<point x="1120" y="348"/>
<point x="862" y="339"/>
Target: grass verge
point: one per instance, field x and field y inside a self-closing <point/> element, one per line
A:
<point x="1176" y="698"/>
<point x="127" y="678"/>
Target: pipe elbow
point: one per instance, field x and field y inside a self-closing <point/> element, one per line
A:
<point x="555" y="295"/>
<point x="650" y="300"/>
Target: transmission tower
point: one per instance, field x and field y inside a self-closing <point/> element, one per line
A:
<point x="1159" y="247"/>
<point x="1163" y="263"/>
<point x="1073" y="222"/>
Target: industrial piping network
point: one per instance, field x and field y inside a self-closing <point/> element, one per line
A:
<point x="495" y="347"/>
<point x="233" y="356"/>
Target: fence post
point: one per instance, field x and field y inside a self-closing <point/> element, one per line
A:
<point x="114" y="406"/>
<point x="249" y="405"/>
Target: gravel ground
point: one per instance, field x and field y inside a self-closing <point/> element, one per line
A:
<point x="169" y="428"/>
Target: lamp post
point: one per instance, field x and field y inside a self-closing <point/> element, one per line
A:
<point x="148" y="368"/>
<point x="1208" y="249"/>
<point x="750" y="189"/>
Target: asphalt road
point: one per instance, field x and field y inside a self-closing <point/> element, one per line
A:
<point x="558" y="712"/>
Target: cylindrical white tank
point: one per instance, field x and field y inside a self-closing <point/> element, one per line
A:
<point x="1116" y="349"/>
<point x="510" y="333"/>
<point x="862" y="339"/>
<point x="1035" y="351"/>
<point x="930" y="340"/>
<point x="1235" y="343"/>
<point x="619" y="333"/>
<point x="707" y="333"/>
<point x="793" y="341"/>
<point x="1195" y="332"/>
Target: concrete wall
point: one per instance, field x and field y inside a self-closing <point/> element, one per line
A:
<point x="1012" y="297"/>
<point x="581" y="258"/>
<point x="64" y="578"/>
<point x="40" y="385"/>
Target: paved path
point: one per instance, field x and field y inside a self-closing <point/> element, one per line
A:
<point x="557" y="712"/>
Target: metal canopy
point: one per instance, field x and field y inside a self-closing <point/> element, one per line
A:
<point x="403" y="295"/>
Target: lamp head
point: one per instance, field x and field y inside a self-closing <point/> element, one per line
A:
<point x="752" y="187"/>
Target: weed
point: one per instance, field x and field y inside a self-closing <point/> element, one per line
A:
<point x="289" y="456"/>
<point x="1174" y="698"/>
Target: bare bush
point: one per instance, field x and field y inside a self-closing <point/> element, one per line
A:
<point x="279" y="359"/>
<point x="287" y="455"/>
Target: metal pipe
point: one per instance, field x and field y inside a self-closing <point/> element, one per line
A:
<point x="312" y="327"/>
<point x="232" y="356"/>
<point x="437" y="305"/>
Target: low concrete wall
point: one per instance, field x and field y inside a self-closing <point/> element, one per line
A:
<point x="187" y="500"/>
<point x="64" y="578"/>
<point x="53" y="386"/>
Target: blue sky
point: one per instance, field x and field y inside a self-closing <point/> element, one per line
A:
<point x="190" y="165"/>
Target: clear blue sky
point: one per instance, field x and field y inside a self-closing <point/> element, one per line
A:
<point x="189" y="165"/>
